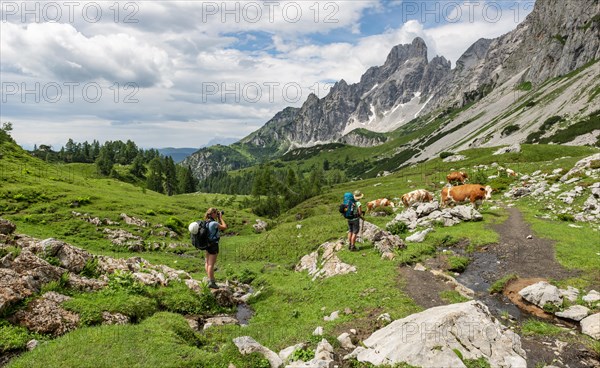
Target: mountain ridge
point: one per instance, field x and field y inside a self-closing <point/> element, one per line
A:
<point x="553" y="41"/>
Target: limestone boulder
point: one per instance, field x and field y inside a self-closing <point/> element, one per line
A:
<point x="247" y="345"/>
<point x="591" y="326"/>
<point x="429" y="338"/>
<point x="541" y="293"/>
<point x="574" y="312"/>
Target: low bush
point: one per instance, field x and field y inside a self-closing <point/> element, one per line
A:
<point x="178" y="298"/>
<point x="397" y="228"/>
<point x="498" y="286"/>
<point x="13" y="337"/>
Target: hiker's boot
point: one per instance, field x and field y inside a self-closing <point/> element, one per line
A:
<point x="212" y="284"/>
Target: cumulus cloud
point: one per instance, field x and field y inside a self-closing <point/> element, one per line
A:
<point x="198" y="71"/>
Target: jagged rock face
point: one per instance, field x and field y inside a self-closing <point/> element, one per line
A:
<point x="556" y="38"/>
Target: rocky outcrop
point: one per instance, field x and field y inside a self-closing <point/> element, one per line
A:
<point x="427" y="214"/>
<point x="45" y="316"/>
<point x="327" y="264"/>
<point x="541" y="294"/>
<point x="384" y="241"/>
<point x="430" y="338"/>
<point x="247" y="345"/>
<point x="591" y="326"/>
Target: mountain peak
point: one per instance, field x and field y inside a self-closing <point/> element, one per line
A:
<point x="401" y="53"/>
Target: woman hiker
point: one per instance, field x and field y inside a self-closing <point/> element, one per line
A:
<point x="354" y="223"/>
<point x="215" y="223"/>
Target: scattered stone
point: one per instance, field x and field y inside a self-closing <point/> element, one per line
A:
<point x="420" y="267"/>
<point x="592" y="296"/>
<point x="332" y="317"/>
<point x="418" y="237"/>
<point x="541" y="293"/>
<point x="122" y="237"/>
<point x="454" y="158"/>
<point x="32" y="344"/>
<point x="384" y="241"/>
<point x="330" y="264"/>
<point x="247" y="345"/>
<point x="581" y="165"/>
<point x="134" y="221"/>
<point x="591" y="326"/>
<point x="348" y="311"/>
<point x="570" y="293"/>
<point x="114" y="319"/>
<point x="345" y="341"/>
<point x="574" y="312"/>
<point x="385" y="318"/>
<point x="45" y="316"/>
<point x="220" y="321"/>
<point x="529" y="236"/>
<point x="286" y="353"/>
<point x="7" y="227"/>
<point x="260" y="226"/>
<point x="318" y="331"/>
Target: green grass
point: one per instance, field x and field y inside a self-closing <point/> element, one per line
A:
<point x="498" y="285"/>
<point x="452" y="296"/>
<point x="14" y="337"/>
<point x="163" y="340"/>
<point x="533" y="327"/>
<point x="290" y="304"/>
<point x="458" y="263"/>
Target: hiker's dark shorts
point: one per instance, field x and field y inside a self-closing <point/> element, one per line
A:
<point x="213" y="248"/>
<point x="354" y="226"/>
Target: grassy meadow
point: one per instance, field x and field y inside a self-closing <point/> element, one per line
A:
<point x="40" y="199"/>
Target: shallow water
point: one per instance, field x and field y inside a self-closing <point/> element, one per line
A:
<point x="479" y="275"/>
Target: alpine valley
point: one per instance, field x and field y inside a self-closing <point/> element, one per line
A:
<point x="536" y="84"/>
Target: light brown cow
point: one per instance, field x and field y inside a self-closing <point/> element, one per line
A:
<point x="383" y="202"/>
<point x="416" y="196"/>
<point x="457" y="176"/>
<point x="474" y="193"/>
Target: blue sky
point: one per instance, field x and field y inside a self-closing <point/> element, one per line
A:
<point x="180" y="73"/>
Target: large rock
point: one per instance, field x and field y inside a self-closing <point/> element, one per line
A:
<point x="384" y="241"/>
<point x="466" y="213"/>
<point x="541" y="293"/>
<point x="428" y="339"/>
<point x="247" y="345"/>
<point x="580" y="166"/>
<point x="425" y="209"/>
<point x="329" y="265"/>
<point x="70" y="257"/>
<point x="46" y="316"/>
<point x="591" y="326"/>
<point x="592" y="297"/>
<point x="419" y="236"/>
<point x="13" y="288"/>
<point x="6" y="227"/>
<point x="574" y="312"/>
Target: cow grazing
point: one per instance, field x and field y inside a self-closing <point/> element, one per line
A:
<point x="474" y="193"/>
<point x="457" y="176"/>
<point x="416" y="196"/>
<point x="383" y="202"/>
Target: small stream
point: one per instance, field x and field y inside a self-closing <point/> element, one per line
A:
<point x="243" y="314"/>
<point x="484" y="267"/>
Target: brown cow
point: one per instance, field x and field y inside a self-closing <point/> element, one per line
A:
<point x="416" y="196"/>
<point x="383" y="202"/>
<point x="457" y="176"/>
<point x="474" y="193"/>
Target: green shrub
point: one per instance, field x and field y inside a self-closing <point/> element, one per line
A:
<point x="479" y="177"/>
<point x="90" y="269"/>
<point x="59" y="286"/>
<point x="124" y="280"/>
<point x="15" y="251"/>
<point x="174" y="224"/>
<point x="13" y="337"/>
<point x="383" y="209"/>
<point x="509" y="130"/>
<point x="550" y="308"/>
<point x="595" y="164"/>
<point x="567" y="217"/>
<point x="445" y="154"/>
<point x="150" y="213"/>
<point x="525" y="86"/>
<point x="397" y="228"/>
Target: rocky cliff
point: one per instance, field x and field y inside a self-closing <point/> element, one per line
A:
<point x="555" y="39"/>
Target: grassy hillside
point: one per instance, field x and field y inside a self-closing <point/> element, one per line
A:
<point x="39" y="199"/>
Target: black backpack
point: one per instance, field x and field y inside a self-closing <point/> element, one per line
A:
<point x="200" y="239"/>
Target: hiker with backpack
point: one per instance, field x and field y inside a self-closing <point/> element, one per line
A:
<point x="214" y="222"/>
<point x="352" y="211"/>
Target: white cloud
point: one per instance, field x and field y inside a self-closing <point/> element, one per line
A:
<point x="177" y="54"/>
